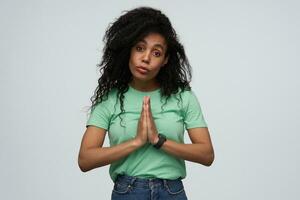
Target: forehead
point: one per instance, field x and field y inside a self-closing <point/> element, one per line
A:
<point x="154" y="39"/>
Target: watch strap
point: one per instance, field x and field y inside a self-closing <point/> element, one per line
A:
<point x="161" y="140"/>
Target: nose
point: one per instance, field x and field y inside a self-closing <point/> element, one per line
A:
<point x="146" y="57"/>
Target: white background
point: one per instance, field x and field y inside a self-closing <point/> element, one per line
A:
<point x="245" y="59"/>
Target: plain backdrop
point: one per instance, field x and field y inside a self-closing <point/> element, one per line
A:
<point x="245" y="59"/>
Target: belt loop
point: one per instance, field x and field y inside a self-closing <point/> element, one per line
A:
<point x="132" y="180"/>
<point x="117" y="178"/>
<point x="165" y="183"/>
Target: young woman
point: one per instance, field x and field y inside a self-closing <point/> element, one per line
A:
<point x="144" y="102"/>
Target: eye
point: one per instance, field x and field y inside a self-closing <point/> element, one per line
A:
<point x="139" y="48"/>
<point x="156" y="53"/>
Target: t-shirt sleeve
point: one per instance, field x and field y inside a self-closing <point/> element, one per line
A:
<point x="193" y="116"/>
<point x="100" y="116"/>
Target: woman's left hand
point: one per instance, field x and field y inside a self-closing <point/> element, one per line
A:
<point x="152" y="131"/>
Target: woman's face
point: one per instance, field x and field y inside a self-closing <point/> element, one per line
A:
<point x="147" y="57"/>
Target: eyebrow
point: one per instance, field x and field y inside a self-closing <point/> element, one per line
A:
<point x="156" y="45"/>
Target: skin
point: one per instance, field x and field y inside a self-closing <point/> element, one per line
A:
<point x="150" y="54"/>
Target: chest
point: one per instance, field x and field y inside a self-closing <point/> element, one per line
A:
<point x="168" y="121"/>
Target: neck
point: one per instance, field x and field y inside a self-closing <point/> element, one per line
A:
<point x="144" y="85"/>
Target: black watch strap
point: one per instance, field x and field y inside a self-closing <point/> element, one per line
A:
<point x="161" y="140"/>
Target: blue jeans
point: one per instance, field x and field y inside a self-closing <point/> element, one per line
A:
<point x="131" y="188"/>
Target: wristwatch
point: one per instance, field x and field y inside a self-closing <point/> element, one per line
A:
<point x="161" y="140"/>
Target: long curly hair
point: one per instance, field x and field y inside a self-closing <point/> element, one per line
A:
<point x="121" y="36"/>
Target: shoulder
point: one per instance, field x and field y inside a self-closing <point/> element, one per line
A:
<point x="188" y="99"/>
<point x="185" y="94"/>
<point x="107" y="101"/>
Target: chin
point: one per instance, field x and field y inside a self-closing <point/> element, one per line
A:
<point x="137" y="75"/>
<point x="140" y="78"/>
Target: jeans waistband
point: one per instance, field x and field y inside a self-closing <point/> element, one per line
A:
<point x="144" y="182"/>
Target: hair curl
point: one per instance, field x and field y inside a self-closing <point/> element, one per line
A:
<point x="121" y="36"/>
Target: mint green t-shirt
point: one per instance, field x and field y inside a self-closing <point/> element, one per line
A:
<point x="171" y="120"/>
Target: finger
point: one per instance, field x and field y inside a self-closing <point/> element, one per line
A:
<point x="142" y="116"/>
<point x="144" y="112"/>
<point x="146" y="105"/>
<point x="146" y="109"/>
<point x="143" y="108"/>
<point x="150" y="112"/>
<point x="149" y="105"/>
<point x="143" y="105"/>
<point x="144" y="100"/>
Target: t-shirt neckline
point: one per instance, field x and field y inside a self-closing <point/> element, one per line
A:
<point x="143" y="92"/>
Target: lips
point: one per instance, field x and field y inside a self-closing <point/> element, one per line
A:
<point x="142" y="70"/>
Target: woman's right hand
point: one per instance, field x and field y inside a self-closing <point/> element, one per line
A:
<point x="141" y="136"/>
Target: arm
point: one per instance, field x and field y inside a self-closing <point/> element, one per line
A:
<point x="200" y="151"/>
<point x="93" y="155"/>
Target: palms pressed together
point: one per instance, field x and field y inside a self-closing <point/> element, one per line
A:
<point x="147" y="131"/>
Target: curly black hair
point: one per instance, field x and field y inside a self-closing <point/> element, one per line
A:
<point x="121" y="36"/>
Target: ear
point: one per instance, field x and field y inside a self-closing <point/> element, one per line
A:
<point x="166" y="60"/>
